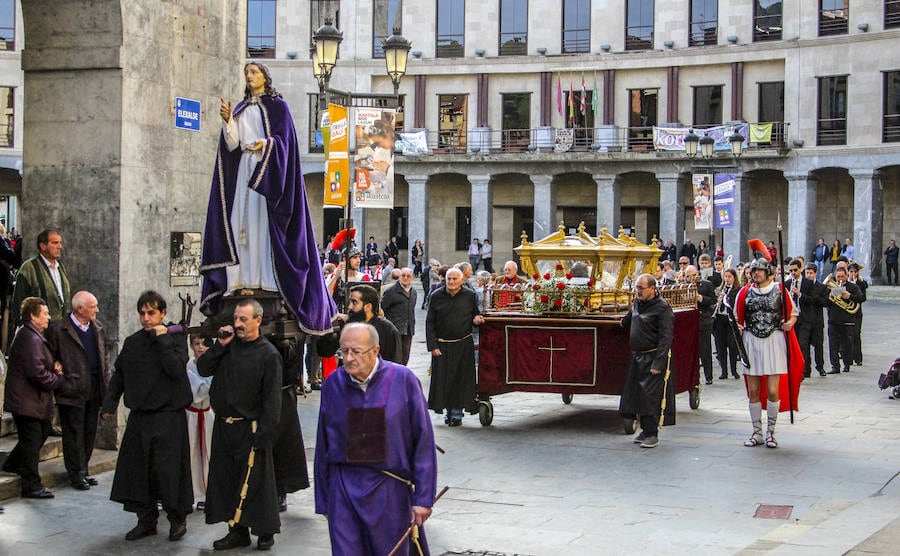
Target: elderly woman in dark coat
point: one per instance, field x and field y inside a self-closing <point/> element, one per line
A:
<point x="33" y="375"/>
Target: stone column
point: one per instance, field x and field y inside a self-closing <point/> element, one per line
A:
<point x="671" y="208"/>
<point x="868" y="222"/>
<point x="736" y="236"/>
<point x="544" y="206"/>
<point x="103" y="160"/>
<point x="482" y="206"/>
<point x="609" y="202"/>
<point x="418" y="212"/>
<point x="801" y="232"/>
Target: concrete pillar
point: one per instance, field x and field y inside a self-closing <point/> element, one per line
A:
<point x="103" y="160"/>
<point x="609" y="202"/>
<point x="801" y="233"/>
<point x="544" y="206"/>
<point x="418" y="212"/>
<point x="482" y="206"/>
<point x="671" y="208"/>
<point x="868" y="221"/>
<point x="358" y="215"/>
<point x="736" y="236"/>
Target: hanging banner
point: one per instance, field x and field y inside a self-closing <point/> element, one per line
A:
<point x="703" y="201"/>
<point x="374" y="176"/>
<point x="672" y="138"/>
<point x="723" y="189"/>
<point x="337" y="174"/>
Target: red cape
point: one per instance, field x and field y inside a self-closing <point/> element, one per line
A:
<point x="789" y="387"/>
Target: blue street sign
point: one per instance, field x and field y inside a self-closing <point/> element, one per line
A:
<point x="187" y="114"/>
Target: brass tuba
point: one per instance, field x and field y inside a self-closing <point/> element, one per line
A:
<point x="847" y="305"/>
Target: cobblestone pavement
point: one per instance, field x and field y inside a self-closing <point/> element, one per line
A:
<point x="549" y="479"/>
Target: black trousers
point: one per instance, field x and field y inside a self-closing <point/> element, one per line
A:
<point x="79" y="428"/>
<point x="706" y="326"/>
<point x="840" y="345"/>
<point x="856" y="339"/>
<point x="406" y="347"/>
<point x="891" y="269"/>
<point x="811" y="336"/>
<point x="726" y="345"/>
<point x="25" y="456"/>
<point x="488" y="264"/>
<point x="650" y="425"/>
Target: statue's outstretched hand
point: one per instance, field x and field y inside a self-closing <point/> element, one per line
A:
<point x="225" y="109"/>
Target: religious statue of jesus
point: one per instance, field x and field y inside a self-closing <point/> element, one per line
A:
<point x="259" y="234"/>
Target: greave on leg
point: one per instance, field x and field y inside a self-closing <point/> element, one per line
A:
<point x="756" y="420"/>
<point x="772" y="418"/>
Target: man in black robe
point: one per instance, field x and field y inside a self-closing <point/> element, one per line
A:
<point x="452" y="310"/>
<point x="651" y="324"/>
<point x="246" y="397"/>
<point x="154" y="460"/>
<point x="288" y="452"/>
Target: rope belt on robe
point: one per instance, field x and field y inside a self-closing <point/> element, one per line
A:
<point x="413" y="532"/>
<point x="201" y="438"/>
<point x="250" y="461"/>
<point x="445" y="341"/>
<point x="662" y="413"/>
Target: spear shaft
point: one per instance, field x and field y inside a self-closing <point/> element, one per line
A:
<point x="785" y="317"/>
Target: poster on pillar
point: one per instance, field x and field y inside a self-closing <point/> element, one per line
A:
<point x="337" y="174"/>
<point x="374" y="178"/>
<point x="703" y="201"/>
<point x="723" y="189"/>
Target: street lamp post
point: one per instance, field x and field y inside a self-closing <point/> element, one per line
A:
<point x="323" y="53"/>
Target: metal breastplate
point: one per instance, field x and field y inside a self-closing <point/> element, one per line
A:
<point x="762" y="312"/>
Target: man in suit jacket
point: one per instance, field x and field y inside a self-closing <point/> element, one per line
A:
<point x="399" y="306"/>
<point x="79" y="342"/>
<point x="811" y="296"/>
<point x="706" y="303"/>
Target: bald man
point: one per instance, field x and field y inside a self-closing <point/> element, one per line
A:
<point x="79" y="342"/>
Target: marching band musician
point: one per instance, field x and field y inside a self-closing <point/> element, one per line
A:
<point x="810" y="299"/>
<point x="726" y="344"/>
<point x="854" y="278"/>
<point x="766" y="318"/>
<point x="841" y="322"/>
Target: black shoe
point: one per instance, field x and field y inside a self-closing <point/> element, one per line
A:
<point x="55" y="432"/>
<point x="735" y="376"/>
<point x="140" y="531"/>
<point x="316" y="386"/>
<point x="806" y="375"/>
<point x="282" y="502"/>
<point x="265" y="542"/>
<point x="822" y="373"/>
<point x="723" y="376"/>
<point x="834" y="372"/>
<point x="847" y="370"/>
<point x="455" y="422"/>
<point x="233" y="539"/>
<point x="40" y="494"/>
<point x="708" y="381"/>
<point x="177" y="529"/>
<point x="80" y="484"/>
<point x="201" y="506"/>
<point x="91" y="481"/>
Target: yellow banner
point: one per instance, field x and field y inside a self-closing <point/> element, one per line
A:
<point x="761" y="133"/>
<point x="337" y="175"/>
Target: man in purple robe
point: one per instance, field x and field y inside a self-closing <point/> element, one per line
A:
<point x="375" y="464"/>
<point x="258" y="230"/>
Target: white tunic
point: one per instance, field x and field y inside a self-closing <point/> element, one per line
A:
<point x="249" y="214"/>
<point x="768" y="356"/>
<point x="199" y="452"/>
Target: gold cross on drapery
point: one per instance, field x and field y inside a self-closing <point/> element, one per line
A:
<point x="551" y="349"/>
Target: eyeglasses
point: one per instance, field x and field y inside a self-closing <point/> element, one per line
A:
<point x="641" y="288"/>
<point x="355" y="352"/>
<point x="680" y="263"/>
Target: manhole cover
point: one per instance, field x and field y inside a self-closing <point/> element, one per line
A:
<point x="768" y="511"/>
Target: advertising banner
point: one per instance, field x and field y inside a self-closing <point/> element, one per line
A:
<point x="337" y="175"/>
<point x="672" y="138"/>
<point x="374" y="176"/>
<point x="703" y="201"/>
<point x="723" y="189"/>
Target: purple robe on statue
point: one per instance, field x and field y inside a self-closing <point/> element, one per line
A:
<point x="277" y="177"/>
<point x="368" y="511"/>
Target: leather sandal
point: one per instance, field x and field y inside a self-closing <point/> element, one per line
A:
<point x="770" y="441"/>
<point x="754" y="440"/>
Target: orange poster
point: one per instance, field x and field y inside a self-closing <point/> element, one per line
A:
<point x="337" y="175"/>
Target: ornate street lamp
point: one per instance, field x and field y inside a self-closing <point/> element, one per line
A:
<point x="737" y="144"/>
<point x="317" y="67"/>
<point x="327" y="38"/>
<point x="706" y="146"/>
<point x="396" y="53"/>
<point x="691" y="143"/>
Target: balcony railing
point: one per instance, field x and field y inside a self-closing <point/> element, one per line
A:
<point x="548" y="140"/>
<point x="891" y="133"/>
<point x="832" y="131"/>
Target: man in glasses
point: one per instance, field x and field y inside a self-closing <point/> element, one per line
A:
<point x="375" y="463"/>
<point x="651" y="325"/>
<point x="246" y="397"/>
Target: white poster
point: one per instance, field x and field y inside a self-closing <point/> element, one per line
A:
<point x="374" y="173"/>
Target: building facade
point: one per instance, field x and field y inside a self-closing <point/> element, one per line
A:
<point x="490" y="83"/>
